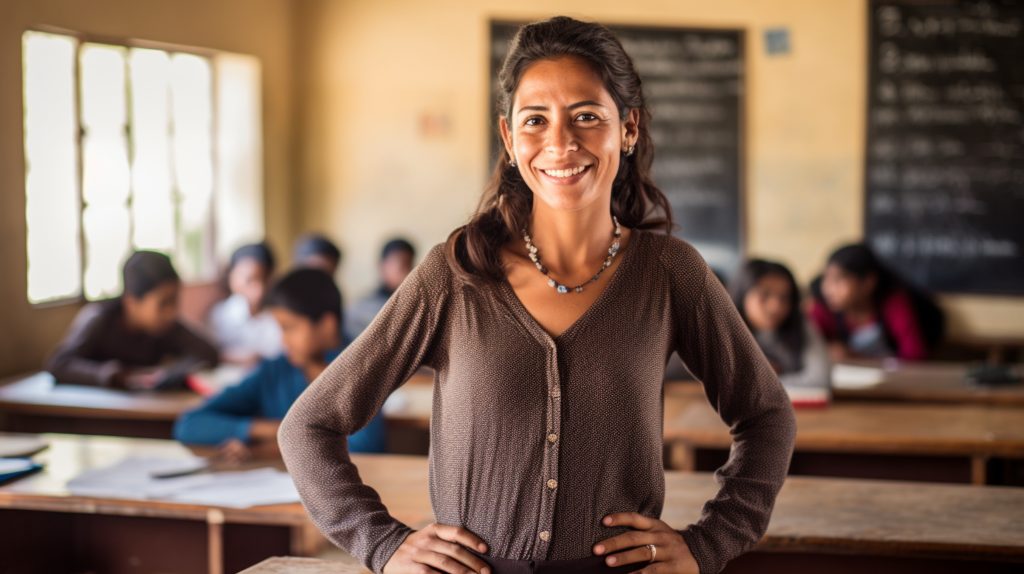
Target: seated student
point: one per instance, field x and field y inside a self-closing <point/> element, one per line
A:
<point x="244" y="418"/>
<point x="865" y="310"/>
<point x="316" y="251"/>
<point x="127" y="341"/>
<point x="396" y="262"/>
<point x="244" y="332"/>
<point x="768" y="299"/>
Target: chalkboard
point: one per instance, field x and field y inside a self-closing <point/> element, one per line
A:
<point x="945" y="146"/>
<point x="693" y="80"/>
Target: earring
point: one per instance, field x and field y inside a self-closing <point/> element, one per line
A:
<point x="512" y="161"/>
<point x="629" y="150"/>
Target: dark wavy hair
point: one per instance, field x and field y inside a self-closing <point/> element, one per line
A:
<point x="473" y="250"/>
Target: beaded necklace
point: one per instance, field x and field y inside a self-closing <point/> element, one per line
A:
<point x="561" y="288"/>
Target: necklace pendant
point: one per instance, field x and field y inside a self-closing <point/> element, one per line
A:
<point x="562" y="289"/>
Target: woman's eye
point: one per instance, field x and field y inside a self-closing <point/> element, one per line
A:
<point x="533" y="121"/>
<point x="586" y="117"/>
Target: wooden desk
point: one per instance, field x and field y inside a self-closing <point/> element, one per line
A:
<point x="36" y="403"/>
<point x="930" y="382"/>
<point x="48" y="529"/>
<point x="819" y="524"/>
<point x="941" y="443"/>
<point x="292" y="565"/>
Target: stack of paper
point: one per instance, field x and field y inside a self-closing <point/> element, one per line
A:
<point x="135" y="477"/>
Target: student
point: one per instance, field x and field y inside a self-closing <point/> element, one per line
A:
<point x="245" y="332"/>
<point x="768" y="299"/>
<point x="865" y="310"/>
<point x="316" y="251"/>
<point x="307" y="306"/>
<point x="126" y="342"/>
<point x="396" y="262"/>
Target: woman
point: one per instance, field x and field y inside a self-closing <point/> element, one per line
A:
<point x="548" y="319"/>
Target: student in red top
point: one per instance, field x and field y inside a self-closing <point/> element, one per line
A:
<point x="865" y="310"/>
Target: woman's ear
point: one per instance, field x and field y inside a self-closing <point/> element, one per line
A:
<point x="631" y="127"/>
<point x="506" y="137"/>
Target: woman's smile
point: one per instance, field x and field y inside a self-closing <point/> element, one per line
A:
<point x="566" y="175"/>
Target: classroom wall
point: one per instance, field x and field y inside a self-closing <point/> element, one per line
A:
<point x="262" y="28"/>
<point x="376" y="73"/>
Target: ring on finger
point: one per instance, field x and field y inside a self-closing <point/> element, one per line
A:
<point x="654" y="551"/>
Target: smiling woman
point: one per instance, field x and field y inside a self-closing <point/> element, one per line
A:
<point x="546" y="427"/>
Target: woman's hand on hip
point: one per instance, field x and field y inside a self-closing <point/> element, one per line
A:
<point x="439" y="548"/>
<point x="671" y="554"/>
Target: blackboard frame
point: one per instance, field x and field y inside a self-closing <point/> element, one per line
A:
<point x="741" y="235"/>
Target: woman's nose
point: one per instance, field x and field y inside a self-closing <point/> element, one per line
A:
<point x="561" y="138"/>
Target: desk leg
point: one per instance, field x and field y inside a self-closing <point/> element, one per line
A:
<point x="979" y="470"/>
<point x="215" y="541"/>
<point x="682" y="456"/>
<point x="306" y="540"/>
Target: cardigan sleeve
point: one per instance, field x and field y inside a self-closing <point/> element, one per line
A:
<point x="741" y="385"/>
<point x="227" y="415"/>
<point x="344" y="399"/>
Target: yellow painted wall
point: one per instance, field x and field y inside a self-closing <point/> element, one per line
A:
<point x="372" y="69"/>
<point x="262" y="28"/>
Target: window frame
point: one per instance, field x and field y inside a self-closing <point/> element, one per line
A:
<point x="82" y="38"/>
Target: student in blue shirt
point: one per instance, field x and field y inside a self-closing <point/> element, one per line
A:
<point x="244" y="418"/>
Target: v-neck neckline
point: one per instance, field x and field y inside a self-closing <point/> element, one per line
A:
<point x="539" y="331"/>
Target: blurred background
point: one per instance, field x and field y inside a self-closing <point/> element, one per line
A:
<point x="194" y="127"/>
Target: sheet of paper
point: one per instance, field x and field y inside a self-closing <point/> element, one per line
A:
<point x="133" y="478"/>
<point x="856" y="377"/>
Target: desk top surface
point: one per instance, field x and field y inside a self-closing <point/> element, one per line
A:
<point x="929" y="382"/>
<point x="875" y="428"/>
<point x="810" y="513"/>
<point x="293" y="565"/>
<point x="40" y="394"/>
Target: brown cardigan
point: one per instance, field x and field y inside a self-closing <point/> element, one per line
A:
<point x="534" y="439"/>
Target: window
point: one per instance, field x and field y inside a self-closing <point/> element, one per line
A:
<point x="134" y="147"/>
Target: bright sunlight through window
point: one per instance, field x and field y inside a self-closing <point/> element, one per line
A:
<point x="126" y="148"/>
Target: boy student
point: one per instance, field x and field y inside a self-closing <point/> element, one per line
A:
<point x="134" y="341"/>
<point x="244" y="418"/>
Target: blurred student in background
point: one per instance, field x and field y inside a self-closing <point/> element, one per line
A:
<point x="768" y="299"/>
<point x="134" y="341"/>
<point x="396" y="262"/>
<point x="865" y="310"/>
<point x="316" y="251"/>
<point x="243" y="419"/>
<point x="244" y="331"/>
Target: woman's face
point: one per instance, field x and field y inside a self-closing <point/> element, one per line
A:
<point x="565" y="133"/>
<point x="767" y="303"/>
